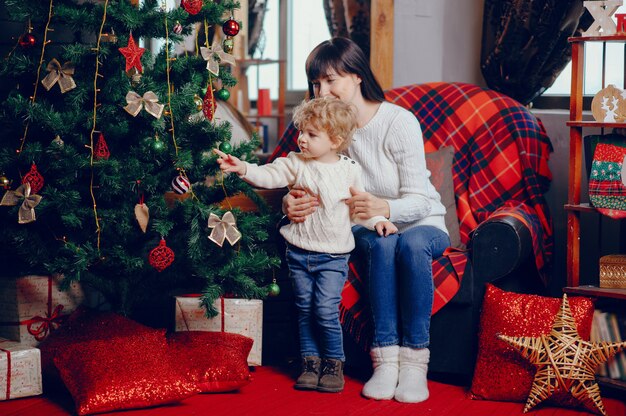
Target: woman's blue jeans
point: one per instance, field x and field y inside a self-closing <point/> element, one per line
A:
<point x="399" y="276"/>
<point x="318" y="280"/>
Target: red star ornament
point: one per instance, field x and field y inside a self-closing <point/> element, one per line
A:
<point x="132" y="53"/>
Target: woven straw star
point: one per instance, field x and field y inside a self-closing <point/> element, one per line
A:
<point x="565" y="362"/>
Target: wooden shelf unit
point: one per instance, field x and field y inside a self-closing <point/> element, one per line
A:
<point x="277" y="113"/>
<point x="574" y="207"/>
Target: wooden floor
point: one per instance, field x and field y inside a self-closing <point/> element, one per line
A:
<point x="271" y="393"/>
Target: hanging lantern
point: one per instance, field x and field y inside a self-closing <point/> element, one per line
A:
<point x="102" y="149"/>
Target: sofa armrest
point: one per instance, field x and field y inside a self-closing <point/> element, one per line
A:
<point x="499" y="245"/>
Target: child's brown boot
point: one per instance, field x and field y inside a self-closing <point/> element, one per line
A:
<point x="309" y="378"/>
<point x="332" y="376"/>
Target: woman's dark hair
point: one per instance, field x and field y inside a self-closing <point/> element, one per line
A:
<point x="345" y="57"/>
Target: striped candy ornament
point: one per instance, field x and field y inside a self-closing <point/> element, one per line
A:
<point x="180" y="184"/>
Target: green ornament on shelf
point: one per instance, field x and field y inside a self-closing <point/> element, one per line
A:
<point x="226" y="147"/>
<point x="273" y="289"/>
<point x="223" y="94"/>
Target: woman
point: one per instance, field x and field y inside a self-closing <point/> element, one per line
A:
<point x="389" y="147"/>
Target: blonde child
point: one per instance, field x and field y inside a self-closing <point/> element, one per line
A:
<point x="318" y="248"/>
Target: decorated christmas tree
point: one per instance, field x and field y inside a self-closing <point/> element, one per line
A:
<point x="106" y="153"/>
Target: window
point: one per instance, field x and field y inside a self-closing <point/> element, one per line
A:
<point x="614" y="62"/>
<point x="305" y="28"/>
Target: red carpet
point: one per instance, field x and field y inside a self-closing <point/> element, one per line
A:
<point x="271" y="393"/>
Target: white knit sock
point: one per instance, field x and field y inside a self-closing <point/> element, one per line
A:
<point x="412" y="384"/>
<point x="382" y="384"/>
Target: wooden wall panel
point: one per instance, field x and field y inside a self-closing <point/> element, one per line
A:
<point x="381" y="41"/>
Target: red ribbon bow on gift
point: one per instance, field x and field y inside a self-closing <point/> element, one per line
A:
<point x="39" y="326"/>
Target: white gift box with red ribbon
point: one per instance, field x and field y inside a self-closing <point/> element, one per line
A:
<point x="20" y="370"/>
<point x="239" y="316"/>
<point x="33" y="306"/>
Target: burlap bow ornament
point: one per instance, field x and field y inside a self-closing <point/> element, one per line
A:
<point x="26" y="212"/>
<point x="214" y="56"/>
<point x="224" y="228"/>
<point x="61" y="74"/>
<point x="149" y="100"/>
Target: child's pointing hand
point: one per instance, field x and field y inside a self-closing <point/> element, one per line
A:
<point x="230" y="163"/>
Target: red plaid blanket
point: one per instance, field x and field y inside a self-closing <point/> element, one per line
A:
<point x="500" y="167"/>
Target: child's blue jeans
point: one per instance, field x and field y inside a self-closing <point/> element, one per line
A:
<point x="318" y="280"/>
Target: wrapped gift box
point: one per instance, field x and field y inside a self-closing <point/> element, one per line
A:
<point x="32" y="306"/>
<point x="239" y="316"/>
<point x="20" y="370"/>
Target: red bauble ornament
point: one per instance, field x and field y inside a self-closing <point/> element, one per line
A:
<point x="102" y="150"/>
<point x="230" y="27"/>
<point x="209" y="104"/>
<point x="192" y="6"/>
<point x="34" y="178"/>
<point x="27" y="40"/>
<point x="161" y="257"/>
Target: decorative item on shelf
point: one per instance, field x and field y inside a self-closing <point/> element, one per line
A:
<point x="607" y="182"/>
<point x="613" y="271"/>
<point x="20" y="370"/>
<point x="264" y="102"/>
<point x="226" y="147"/>
<point x="180" y="184"/>
<point x="621" y="23"/>
<point x="34" y="178"/>
<point x="133" y="54"/>
<point x="223" y="94"/>
<point x="109" y="37"/>
<point x="565" y="362"/>
<point x="601" y="11"/>
<point x="223" y="229"/>
<point x="61" y="74"/>
<point x="29" y="201"/>
<point x="149" y="101"/>
<point x="101" y="152"/>
<point x="178" y="28"/>
<point x="237" y="316"/>
<point x="609" y="105"/>
<point x="192" y="6"/>
<point x="161" y="257"/>
<point x="5" y="183"/>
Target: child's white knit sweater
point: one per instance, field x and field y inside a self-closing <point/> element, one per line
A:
<point x="328" y="229"/>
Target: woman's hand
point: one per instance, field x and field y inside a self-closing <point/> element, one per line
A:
<point x="364" y="205"/>
<point x="229" y="163"/>
<point x="385" y="228"/>
<point x="299" y="204"/>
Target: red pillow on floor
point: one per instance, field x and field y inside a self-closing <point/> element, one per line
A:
<point x="128" y="372"/>
<point x="501" y="372"/>
<point x="213" y="361"/>
<point x="83" y="324"/>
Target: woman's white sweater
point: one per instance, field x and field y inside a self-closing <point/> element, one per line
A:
<point x="390" y="150"/>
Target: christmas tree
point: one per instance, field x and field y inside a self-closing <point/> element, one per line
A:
<point x="97" y="131"/>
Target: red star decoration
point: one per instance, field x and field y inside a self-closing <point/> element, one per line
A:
<point x="132" y="53"/>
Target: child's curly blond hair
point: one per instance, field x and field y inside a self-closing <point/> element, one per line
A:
<point x="330" y="115"/>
